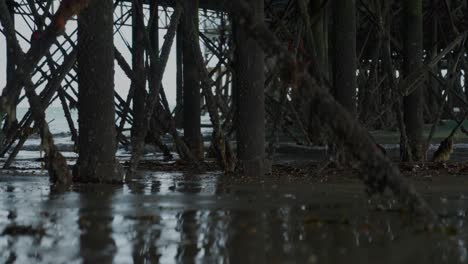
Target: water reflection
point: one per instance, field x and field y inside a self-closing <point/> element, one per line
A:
<point x="146" y="224"/>
<point x="177" y="217"/>
<point x="95" y="222"/>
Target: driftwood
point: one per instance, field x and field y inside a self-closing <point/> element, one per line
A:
<point x="378" y="173"/>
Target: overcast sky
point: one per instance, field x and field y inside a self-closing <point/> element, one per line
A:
<point x="122" y="83"/>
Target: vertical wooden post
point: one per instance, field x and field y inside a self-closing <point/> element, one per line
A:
<point x="179" y="78"/>
<point x="431" y="100"/>
<point x="154" y="34"/>
<point x="250" y="79"/>
<point x="97" y="140"/>
<point x="138" y="65"/>
<point x="10" y="56"/>
<point x="191" y="83"/>
<point x="344" y="63"/>
<point x="412" y="56"/>
<point x="466" y="50"/>
<point x="319" y="28"/>
<point x="344" y="59"/>
<point x="11" y="119"/>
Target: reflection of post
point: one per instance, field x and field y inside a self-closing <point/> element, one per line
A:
<point x="246" y="235"/>
<point x="95" y="220"/>
<point x="146" y="239"/>
<point x="12" y="209"/>
<point x="250" y="79"/>
<point x="189" y="222"/>
<point x="188" y="249"/>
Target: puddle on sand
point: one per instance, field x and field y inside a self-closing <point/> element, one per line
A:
<point x="172" y="217"/>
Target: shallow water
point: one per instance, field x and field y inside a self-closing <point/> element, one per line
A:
<point x="175" y="217"/>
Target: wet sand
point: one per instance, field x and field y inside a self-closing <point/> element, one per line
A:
<point x="169" y="217"/>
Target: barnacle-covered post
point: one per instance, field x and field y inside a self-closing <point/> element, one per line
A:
<point x="97" y="140"/>
<point x="250" y="79"/>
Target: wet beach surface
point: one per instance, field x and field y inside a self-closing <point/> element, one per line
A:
<point x="168" y="217"/>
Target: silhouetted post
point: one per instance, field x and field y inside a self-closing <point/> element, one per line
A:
<point x="179" y="79"/>
<point x="412" y="55"/>
<point x="10" y="70"/>
<point x="432" y="100"/>
<point x="466" y="50"/>
<point x="191" y="83"/>
<point x="10" y="56"/>
<point x="97" y="140"/>
<point x="154" y="34"/>
<point x="344" y="53"/>
<point x="319" y="67"/>
<point x="344" y="63"/>
<point x="317" y="9"/>
<point x="250" y="79"/>
<point x="138" y="65"/>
